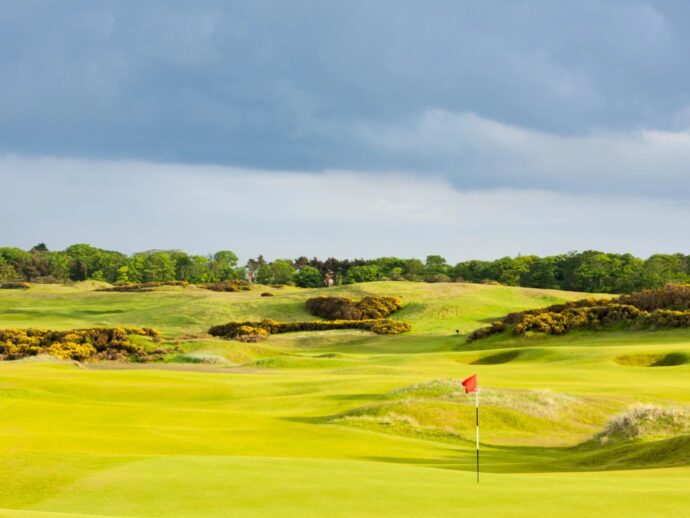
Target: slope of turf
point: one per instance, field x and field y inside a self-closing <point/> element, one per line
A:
<point x="338" y="423"/>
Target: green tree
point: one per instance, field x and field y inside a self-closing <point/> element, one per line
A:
<point x="366" y="273"/>
<point x="224" y="266"/>
<point x="7" y="271"/>
<point x="59" y="265"/>
<point x="661" y="269"/>
<point x="414" y="270"/>
<point x="283" y="271"/>
<point x="123" y="275"/>
<point x="308" y="277"/>
<point x="158" y="267"/>
<point x="435" y="264"/>
<point x="279" y="272"/>
<point x="543" y="273"/>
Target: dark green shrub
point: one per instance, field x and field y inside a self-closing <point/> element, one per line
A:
<point x="343" y="308"/>
<point x="308" y="277"/>
<point x="142" y="286"/>
<point x="267" y="294"/>
<point x="483" y="332"/>
<point x="672" y="296"/>
<point x="237" y="330"/>
<point x="228" y="286"/>
<point x="334" y="308"/>
<point x="437" y="277"/>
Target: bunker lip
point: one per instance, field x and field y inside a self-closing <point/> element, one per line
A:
<point x="672" y="359"/>
<point x="498" y="358"/>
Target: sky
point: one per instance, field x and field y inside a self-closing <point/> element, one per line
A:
<point x="346" y="128"/>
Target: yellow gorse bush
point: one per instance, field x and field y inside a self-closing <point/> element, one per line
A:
<point x="76" y="344"/>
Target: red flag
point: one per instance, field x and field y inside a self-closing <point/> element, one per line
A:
<point x="470" y="384"/>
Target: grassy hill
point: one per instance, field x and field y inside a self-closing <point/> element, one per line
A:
<point x="340" y="423"/>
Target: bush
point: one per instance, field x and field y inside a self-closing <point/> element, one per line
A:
<point x="576" y="318"/>
<point x="77" y="344"/>
<point x="672" y="296"/>
<point x="437" y="277"/>
<point x="228" y="286"/>
<point x="666" y="318"/>
<point x="141" y="286"/>
<point x="389" y="327"/>
<point x="239" y="330"/>
<point x="267" y="294"/>
<point x="334" y="308"/>
<point x="15" y="285"/>
<point x="483" y="332"/>
<point x="667" y="307"/>
<point x="378" y="307"/>
<point x="343" y="308"/>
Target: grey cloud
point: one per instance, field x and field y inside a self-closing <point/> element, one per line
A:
<point x="274" y="84"/>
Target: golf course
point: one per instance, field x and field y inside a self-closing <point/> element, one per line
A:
<point x="342" y="422"/>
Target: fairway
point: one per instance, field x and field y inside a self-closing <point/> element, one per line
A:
<point x="335" y="423"/>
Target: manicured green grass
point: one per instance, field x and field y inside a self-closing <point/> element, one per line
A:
<point x="338" y="423"/>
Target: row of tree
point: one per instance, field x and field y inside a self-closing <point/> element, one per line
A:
<point x="589" y="271"/>
<point x="80" y="262"/>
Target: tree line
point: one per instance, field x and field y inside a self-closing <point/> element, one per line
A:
<point x="589" y="271"/>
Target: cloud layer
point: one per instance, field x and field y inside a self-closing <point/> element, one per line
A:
<point x="133" y="206"/>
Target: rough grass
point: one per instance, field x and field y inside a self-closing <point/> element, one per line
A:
<point x="643" y="422"/>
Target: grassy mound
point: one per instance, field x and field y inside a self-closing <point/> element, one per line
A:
<point x="645" y="436"/>
<point x="664" y="453"/>
<point x="645" y="422"/>
<point x="441" y="410"/>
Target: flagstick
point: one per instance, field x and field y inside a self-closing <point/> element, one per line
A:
<point x="476" y="399"/>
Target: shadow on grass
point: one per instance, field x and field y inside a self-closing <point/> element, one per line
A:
<point x="635" y="455"/>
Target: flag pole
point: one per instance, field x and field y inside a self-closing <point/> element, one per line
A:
<point x="471" y="384"/>
<point x="476" y="399"/>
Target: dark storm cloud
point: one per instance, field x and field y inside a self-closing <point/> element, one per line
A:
<point x="445" y="87"/>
